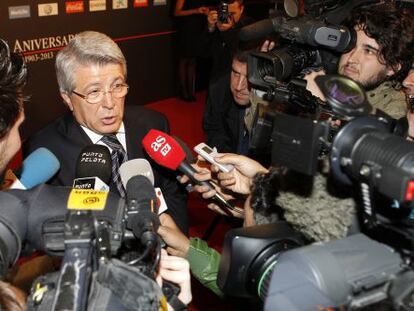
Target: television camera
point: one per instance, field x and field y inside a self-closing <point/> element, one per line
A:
<point x="371" y="269"/>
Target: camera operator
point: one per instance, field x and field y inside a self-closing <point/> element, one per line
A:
<point x="13" y="77"/>
<point x="381" y="57"/>
<point x="259" y="208"/>
<point x="227" y="124"/>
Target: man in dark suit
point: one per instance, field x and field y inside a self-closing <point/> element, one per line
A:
<point x="91" y="73"/>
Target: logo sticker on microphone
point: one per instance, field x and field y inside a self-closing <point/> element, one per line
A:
<point x="86" y="199"/>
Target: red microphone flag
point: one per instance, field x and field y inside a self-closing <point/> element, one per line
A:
<point x="163" y="149"/>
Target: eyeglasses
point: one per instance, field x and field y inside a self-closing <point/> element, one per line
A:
<point x="119" y="90"/>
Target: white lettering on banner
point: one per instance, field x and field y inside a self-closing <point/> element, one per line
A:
<point x="165" y="150"/>
<point x="32" y="45"/>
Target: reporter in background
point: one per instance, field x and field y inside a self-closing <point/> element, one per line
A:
<point x="260" y="208"/>
<point x="381" y="58"/>
<point x="13" y="77"/>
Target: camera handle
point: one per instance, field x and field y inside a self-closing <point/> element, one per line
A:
<point x="75" y="273"/>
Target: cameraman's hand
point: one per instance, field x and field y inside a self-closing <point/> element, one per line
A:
<point x="267" y="46"/>
<point x="311" y="85"/>
<point x="227" y="25"/>
<point x="176" y="270"/>
<point x="177" y="243"/>
<point x="239" y="179"/>
<point x="212" y="17"/>
<point x="203" y="10"/>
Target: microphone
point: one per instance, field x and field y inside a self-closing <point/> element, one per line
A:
<point x="142" y="210"/>
<point x="303" y="30"/>
<point x="36" y="169"/>
<point x="93" y="168"/>
<point x="167" y="152"/>
<point x="135" y="167"/>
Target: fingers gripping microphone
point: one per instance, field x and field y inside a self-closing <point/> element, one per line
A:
<point x="94" y="168"/>
<point x="37" y="168"/>
<point x="142" y="210"/>
<point x="167" y="152"/>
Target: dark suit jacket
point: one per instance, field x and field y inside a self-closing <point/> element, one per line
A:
<point x="65" y="139"/>
<point x="222" y="119"/>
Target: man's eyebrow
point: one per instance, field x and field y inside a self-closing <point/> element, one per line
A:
<point x="370" y="47"/>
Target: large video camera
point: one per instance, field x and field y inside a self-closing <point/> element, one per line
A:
<point x="110" y="254"/>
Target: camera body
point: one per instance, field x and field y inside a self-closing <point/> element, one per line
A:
<point x="223" y="12"/>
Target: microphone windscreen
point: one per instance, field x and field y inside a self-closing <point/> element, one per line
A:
<point x="256" y="30"/>
<point x="134" y="167"/>
<point x="188" y="153"/>
<point x="94" y="161"/>
<point x="163" y="149"/>
<point x="38" y="168"/>
<point x="139" y="188"/>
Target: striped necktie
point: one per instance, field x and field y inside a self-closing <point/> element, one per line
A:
<point x="118" y="156"/>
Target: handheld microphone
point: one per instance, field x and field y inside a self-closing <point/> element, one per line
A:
<point x="134" y="167"/>
<point x="167" y="152"/>
<point x="93" y="168"/>
<point x="36" y="169"/>
<point x="142" y="210"/>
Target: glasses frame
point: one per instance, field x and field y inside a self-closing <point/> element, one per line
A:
<point x="103" y="93"/>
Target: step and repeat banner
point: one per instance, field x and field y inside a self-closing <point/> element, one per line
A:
<point x="38" y="29"/>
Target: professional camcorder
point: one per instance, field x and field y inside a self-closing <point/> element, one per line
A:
<point x="110" y="251"/>
<point x="372" y="269"/>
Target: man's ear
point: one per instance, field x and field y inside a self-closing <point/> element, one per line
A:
<point x="391" y="72"/>
<point x="67" y="100"/>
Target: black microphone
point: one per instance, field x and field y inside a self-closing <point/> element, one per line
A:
<point x="142" y="210"/>
<point x="93" y="168"/>
<point x="303" y="30"/>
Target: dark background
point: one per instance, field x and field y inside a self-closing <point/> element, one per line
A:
<point x="146" y="36"/>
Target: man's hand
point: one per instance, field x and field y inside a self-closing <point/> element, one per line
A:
<point x="267" y="46"/>
<point x="311" y="85"/>
<point x="177" y="243"/>
<point x="212" y="17"/>
<point x="176" y="270"/>
<point x="239" y="179"/>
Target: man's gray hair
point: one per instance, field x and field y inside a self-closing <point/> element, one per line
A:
<point x="86" y="48"/>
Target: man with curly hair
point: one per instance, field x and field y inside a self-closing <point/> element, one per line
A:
<point x="13" y="74"/>
<point x="381" y="57"/>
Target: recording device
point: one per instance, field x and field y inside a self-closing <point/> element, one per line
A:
<point x="167" y="152"/>
<point x="223" y="13"/>
<point x="208" y="154"/>
<point x="373" y="268"/>
<point x="410" y="99"/>
<point x="110" y="247"/>
<point x="134" y="167"/>
<point x="37" y="168"/>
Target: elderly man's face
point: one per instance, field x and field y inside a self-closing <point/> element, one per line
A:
<point x="104" y="117"/>
<point x="11" y="143"/>
<point x="362" y="63"/>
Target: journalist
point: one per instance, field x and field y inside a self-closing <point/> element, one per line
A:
<point x="381" y="57"/>
<point x="227" y="124"/>
<point x="408" y="84"/>
<point x="13" y="77"/>
<point x="92" y="76"/>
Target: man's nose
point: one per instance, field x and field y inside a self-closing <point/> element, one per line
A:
<point x="409" y="81"/>
<point x="354" y="56"/>
<point x="108" y="101"/>
<point x="241" y="82"/>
